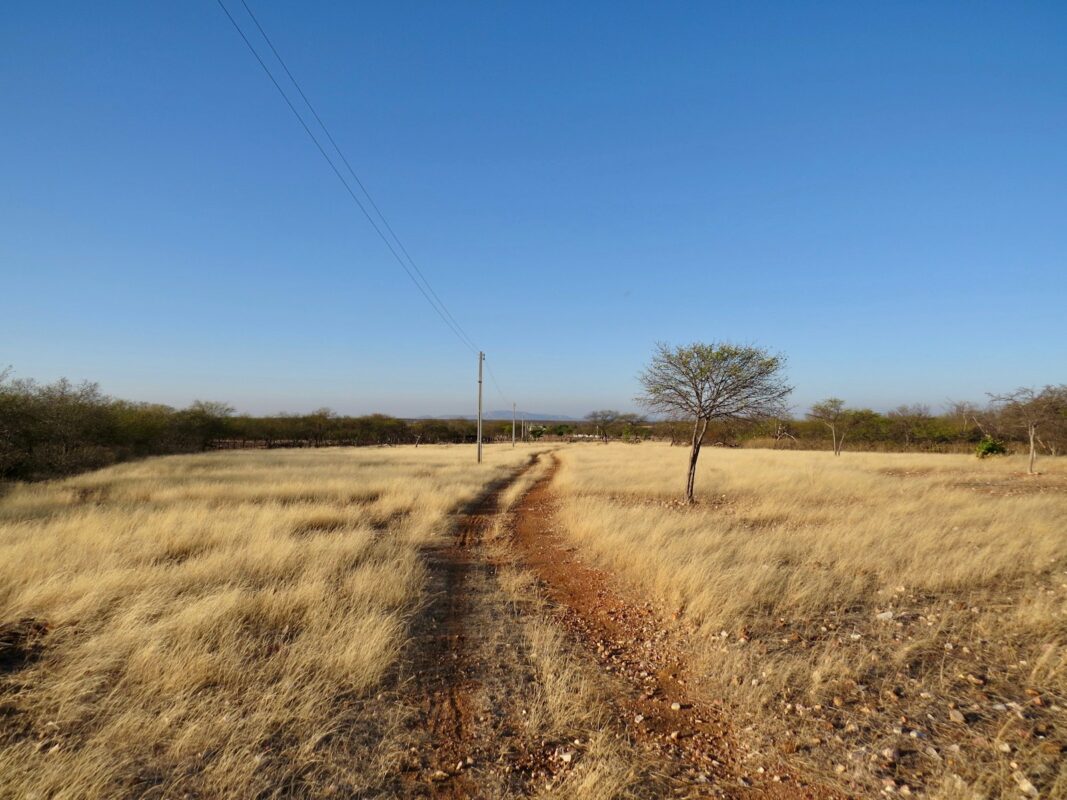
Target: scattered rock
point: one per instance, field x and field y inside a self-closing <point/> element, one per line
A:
<point x="956" y="716"/>
<point x="1028" y="789"/>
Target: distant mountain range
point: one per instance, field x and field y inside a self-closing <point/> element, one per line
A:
<point x="534" y="416"/>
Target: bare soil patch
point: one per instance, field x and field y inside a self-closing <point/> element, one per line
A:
<point x="1017" y="483"/>
<point x="1002" y="484"/>
<point x="442" y="673"/>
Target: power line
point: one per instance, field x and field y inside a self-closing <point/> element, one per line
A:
<point x="424" y="287"/>
<point x="352" y="172"/>
<point x="437" y="306"/>
<point x="492" y="377"/>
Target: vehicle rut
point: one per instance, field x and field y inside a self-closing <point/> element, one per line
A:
<point x="444" y="675"/>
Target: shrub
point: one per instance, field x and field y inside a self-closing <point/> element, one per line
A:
<point x="990" y="447"/>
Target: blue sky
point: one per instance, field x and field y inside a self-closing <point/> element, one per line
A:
<point x="876" y="190"/>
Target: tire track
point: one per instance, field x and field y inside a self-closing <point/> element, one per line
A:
<point x="444" y="677"/>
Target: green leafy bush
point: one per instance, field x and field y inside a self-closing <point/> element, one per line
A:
<point x="990" y="447"/>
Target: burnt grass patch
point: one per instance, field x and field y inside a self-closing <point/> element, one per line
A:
<point x="21" y="643"/>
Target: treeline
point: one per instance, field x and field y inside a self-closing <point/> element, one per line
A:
<point x="325" y="428"/>
<point x="1012" y="421"/>
<point x="55" y="429"/>
<point x="50" y="430"/>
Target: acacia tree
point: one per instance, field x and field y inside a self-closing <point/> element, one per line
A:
<point x="831" y="413"/>
<point x="1029" y="410"/>
<point x="603" y="420"/>
<point x="716" y="381"/>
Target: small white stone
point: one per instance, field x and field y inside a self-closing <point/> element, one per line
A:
<point x="1027" y="788"/>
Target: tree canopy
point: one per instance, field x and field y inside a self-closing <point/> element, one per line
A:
<point x="714" y="381"/>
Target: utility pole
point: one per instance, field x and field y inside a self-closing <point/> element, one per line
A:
<point x="512" y="424"/>
<point x="481" y="358"/>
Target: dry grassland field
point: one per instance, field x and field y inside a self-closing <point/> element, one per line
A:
<point x="885" y="617"/>
<point x="397" y="622"/>
<point x="212" y="625"/>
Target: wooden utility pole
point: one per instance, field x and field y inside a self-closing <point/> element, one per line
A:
<point x="481" y="358"/>
<point x="512" y="424"/>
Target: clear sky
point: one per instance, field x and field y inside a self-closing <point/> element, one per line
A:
<point x="878" y="190"/>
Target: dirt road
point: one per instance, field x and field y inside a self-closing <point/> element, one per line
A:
<point x="475" y="681"/>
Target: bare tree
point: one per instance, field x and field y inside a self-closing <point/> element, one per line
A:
<point x="1029" y="410"/>
<point x="717" y="381"/>
<point x="677" y="429"/>
<point x="603" y="420"/>
<point x="907" y="421"/>
<point x="831" y="412"/>
<point x="1054" y="432"/>
<point x="781" y="431"/>
<point x="964" y="414"/>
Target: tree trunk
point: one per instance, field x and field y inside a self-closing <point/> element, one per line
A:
<point x="699" y="428"/>
<point x="1033" y="448"/>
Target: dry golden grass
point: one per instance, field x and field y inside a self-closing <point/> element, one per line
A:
<point x="223" y="625"/>
<point x="216" y="625"/>
<point x="782" y="570"/>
